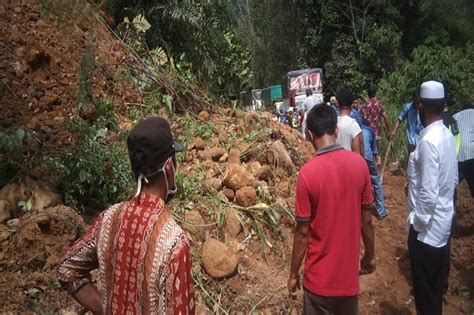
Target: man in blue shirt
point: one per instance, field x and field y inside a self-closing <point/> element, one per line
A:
<point x="370" y="151"/>
<point x="414" y="126"/>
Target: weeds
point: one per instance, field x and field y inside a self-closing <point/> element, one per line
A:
<point x="95" y="174"/>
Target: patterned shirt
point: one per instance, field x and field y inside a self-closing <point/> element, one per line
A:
<point x="465" y="120"/>
<point x="143" y="258"/>
<point x="372" y="112"/>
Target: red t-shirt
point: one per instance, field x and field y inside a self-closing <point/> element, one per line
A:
<point x="330" y="190"/>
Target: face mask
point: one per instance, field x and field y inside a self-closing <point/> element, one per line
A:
<point x="170" y="193"/>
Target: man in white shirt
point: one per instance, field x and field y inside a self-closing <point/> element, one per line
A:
<point x="349" y="134"/>
<point x="465" y="119"/>
<point x="308" y="104"/>
<point x="432" y="175"/>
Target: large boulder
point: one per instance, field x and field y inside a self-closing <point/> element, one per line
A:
<point x="265" y="173"/>
<point x="236" y="177"/>
<point x="6" y="211"/>
<point x="43" y="199"/>
<point x="278" y="155"/>
<point x="15" y="193"/>
<point x="215" y="153"/>
<point x="232" y="223"/>
<point x="194" y="224"/>
<point x="246" y="196"/>
<point x="234" y="156"/>
<point x="199" y="143"/>
<point x="218" y="259"/>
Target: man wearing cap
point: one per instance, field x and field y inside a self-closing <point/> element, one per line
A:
<point x="432" y="177"/>
<point x="143" y="256"/>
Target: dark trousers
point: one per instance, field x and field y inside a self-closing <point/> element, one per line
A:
<point x="322" y="305"/>
<point x="428" y="274"/>
<point x="466" y="170"/>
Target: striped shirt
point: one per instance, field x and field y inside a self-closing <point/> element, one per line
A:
<point x="465" y="119"/>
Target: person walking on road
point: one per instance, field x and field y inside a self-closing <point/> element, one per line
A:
<point x="432" y="178"/>
<point x="465" y="119"/>
<point x="373" y="111"/>
<point x="410" y="113"/>
<point x="370" y="153"/>
<point x="143" y="256"/>
<point x="329" y="226"/>
<point x="308" y="104"/>
<point x="349" y="134"/>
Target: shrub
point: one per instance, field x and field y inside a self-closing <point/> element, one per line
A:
<point x="95" y="173"/>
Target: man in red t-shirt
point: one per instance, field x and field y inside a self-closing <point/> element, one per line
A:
<point x="334" y="204"/>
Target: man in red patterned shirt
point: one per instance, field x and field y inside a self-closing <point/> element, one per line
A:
<point x="143" y="256"/>
<point x="373" y="111"/>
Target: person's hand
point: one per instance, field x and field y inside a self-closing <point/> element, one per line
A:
<point x="367" y="265"/>
<point x="293" y="285"/>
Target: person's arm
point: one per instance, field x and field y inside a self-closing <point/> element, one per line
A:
<point x="429" y="185"/>
<point x="367" y="229"/>
<point x="89" y="297"/>
<point x="368" y="238"/>
<point x="300" y="244"/>
<point x="74" y="269"/>
<point x="357" y="138"/>
<point x="300" y="241"/>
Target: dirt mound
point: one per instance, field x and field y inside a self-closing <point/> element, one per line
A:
<point x="39" y="65"/>
<point x="31" y="248"/>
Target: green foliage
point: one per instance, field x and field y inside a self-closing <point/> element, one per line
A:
<point x="17" y="151"/>
<point x="453" y="66"/>
<point x="96" y="173"/>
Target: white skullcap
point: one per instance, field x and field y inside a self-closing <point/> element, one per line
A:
<point x="432" y="90"/>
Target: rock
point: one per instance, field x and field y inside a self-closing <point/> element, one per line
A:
<point x="43" y="199"/>
<point x="20" y="51"/>
<point x="206" y="165"/>
<point x="215" y="153"/>
<point x="222" y="196"/>
<point x="224" y="158"/>
<point x="283" y="189"/>
<point x="14" y="193"/>
<point x="236" y="177"/>
<point x="229" y="193"/>
<point x="232" y="224"/>
<point x="254" y="167"/>
<point x="199" y="143"/>
<point x="37" y="58"/>
<point x="234" y="156"/>
<point x="214" y="183"/>
<point x="6" y="211"/>
<point x="251" y="120"/>
<point x="246" y="196"/>
<point x="265" y="173"/>
<point x="204" y="115"/>
<point x="50" y="100"/>
<point x="18" y="68"/>
<point x="194" y="224"/>
<point x="280" y="156"/>
<point x="218" y="259"/>
<point x="4" y="233"/>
